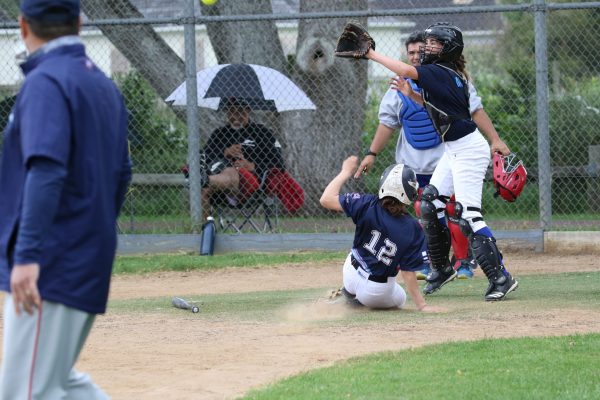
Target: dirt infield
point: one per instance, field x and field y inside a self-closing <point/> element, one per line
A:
<point x="153" y="355"/>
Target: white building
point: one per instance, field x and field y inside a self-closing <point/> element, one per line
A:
<point x="389" y="33"/>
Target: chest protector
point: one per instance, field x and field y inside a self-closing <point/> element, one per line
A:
<point x="441" y="120"/>
<point x="418" y="129"/>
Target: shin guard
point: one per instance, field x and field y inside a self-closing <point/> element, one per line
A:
<point x="460" y="243"/>
<point x="417" y="204"/>
<point x="437" y="234"/>
<point x="488" y="257"/>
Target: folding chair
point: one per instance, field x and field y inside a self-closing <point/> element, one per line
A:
<point x="233" y="215"/>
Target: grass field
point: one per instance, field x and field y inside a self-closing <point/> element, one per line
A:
<point x="563" y="368"/>
<point x="266" y="331"/>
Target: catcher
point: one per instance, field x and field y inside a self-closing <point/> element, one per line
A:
<point x="461" y="170"/>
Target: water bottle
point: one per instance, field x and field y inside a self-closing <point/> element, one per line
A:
<point x="207" y="240"/>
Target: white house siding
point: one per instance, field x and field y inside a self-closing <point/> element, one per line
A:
<point x="387" y="35"/>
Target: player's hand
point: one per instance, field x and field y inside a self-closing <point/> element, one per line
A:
<point x="500" y="147"/>
<point x="364" y="166"/>
<point x="23" y="285"/>
<point x="401" y="85"/>
<point x="234" y="152"/>
<point x="243" y="163"/>
<point x="349" y="165"/>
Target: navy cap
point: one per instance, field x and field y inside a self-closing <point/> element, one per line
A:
<point x="51" y="10"/>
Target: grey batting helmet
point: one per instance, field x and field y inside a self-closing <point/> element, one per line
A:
<point x="400" y="182"/>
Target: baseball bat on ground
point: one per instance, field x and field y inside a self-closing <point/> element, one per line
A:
<point x="181" y="303"/>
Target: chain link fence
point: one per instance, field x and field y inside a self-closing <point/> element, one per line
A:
<point x="535" y="65"/>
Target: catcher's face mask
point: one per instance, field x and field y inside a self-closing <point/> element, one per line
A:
<point x="431" y="50"/>
<point x="451" y="39"/>
<point x="509" y="176"/>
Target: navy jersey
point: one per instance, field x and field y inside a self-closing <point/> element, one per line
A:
<point x="447" y="92"/>
<point x="70" y="112"/>
<point x="384" y="244"/>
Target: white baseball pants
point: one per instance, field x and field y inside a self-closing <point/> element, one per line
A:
<point x="369" y="293"/>
<point x="461" y="172"/>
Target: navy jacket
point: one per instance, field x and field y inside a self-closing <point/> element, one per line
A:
<point x="68" y="111"/>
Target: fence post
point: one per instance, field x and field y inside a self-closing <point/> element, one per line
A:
<point x="541" y="89"/>
<point x="189" y="32"/>
<point x="593" y="187"/>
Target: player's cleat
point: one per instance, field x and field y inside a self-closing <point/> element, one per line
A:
<point x="438" y="278"/>
<point x="498" y="291"/>
<point x="341" y="295"/>
<point x="350" y="298"/>
<point x="335" y="294"/>
<point x="347" y="294"/>
<point x="464" y="271"/>
<point x="422" y="274"/>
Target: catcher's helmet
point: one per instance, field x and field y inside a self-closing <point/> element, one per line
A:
<point x="400" y="182"/>
<point x="451" y="38"/>
<point x="509" y="176"/>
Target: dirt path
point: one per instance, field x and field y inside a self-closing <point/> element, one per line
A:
<point x="292" y="277"/>
<point x="157" y="356"/>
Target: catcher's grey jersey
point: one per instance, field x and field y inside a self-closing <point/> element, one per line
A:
<point x="422" y="161"/>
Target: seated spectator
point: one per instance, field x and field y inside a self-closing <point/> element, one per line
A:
<point x="236" y="157"/>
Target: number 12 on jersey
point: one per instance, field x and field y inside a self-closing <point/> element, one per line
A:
<point x="385" y="252"/>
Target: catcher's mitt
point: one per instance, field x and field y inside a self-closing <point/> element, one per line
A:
<point x="354" y="42"/>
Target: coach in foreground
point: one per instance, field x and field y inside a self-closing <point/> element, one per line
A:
<point x="65" y="170"/>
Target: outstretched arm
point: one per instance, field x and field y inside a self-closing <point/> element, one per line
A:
<point x="398" y="67"/>
<point x="330" y="199"/>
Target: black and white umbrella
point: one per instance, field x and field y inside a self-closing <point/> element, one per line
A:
<point x="261" y="87"/>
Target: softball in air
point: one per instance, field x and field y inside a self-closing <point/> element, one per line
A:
<point x="208" y="2"/>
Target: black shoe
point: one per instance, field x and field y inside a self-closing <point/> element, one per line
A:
<point x="342" y="295"/>
<point x="498" y="290"/>
<point x="351" y="299"/>
<point x="438" y="278"/>
<point x="347" y="294"/>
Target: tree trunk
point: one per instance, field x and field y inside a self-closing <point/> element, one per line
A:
<point x="140" y="44"/>
<point x="251" y="42"/>
<point x="338" y="87"/>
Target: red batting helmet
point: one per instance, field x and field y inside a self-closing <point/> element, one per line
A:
<point x="509" y="176"/>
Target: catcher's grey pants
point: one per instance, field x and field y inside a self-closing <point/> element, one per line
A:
<point x="39" y="352"/>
